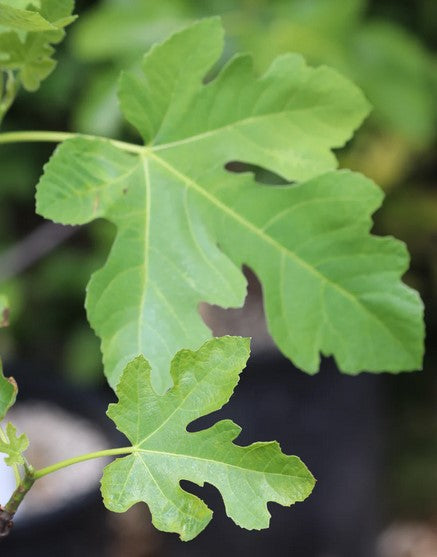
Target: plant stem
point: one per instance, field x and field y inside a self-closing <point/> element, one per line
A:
<point x="7" y="512"/>
<point x="82" y="458"/>
<point x="31" y="476"/>
<point x="24" y="486"/>
<point x="8" y="92"/>
<point x="58" y="137"/>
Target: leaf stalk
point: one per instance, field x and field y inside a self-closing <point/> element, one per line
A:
<point x="59" y="137"/>
<point x="8" y="93"/>
<point x="30" y="476"/>
<point x="82" y="458"/>
<point x="7" y="512"/>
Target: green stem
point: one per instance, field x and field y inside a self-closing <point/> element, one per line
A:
<point x="82" y="458"/>
<point x="24" y="486"/>
<point x="58" y="137"/>
<point x="9" y="91"/>
<point x="7" y="512"/>
<point x="31" y="476"/>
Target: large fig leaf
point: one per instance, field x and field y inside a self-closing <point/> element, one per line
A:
<point x="186" y="224"/>
<point x="165" y="453"/>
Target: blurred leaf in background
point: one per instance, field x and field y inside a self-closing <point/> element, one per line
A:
<point x="113" y="37"/>
<point x="28" y="31"/>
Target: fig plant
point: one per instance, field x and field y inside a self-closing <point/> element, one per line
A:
<point x="185" y="227"/>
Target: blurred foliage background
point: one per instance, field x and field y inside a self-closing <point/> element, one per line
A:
<point x="387" y="47"/>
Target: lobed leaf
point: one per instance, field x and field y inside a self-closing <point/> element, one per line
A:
<point x="164" y="453"/>
<point x="29" y="50"/>
<point x="186" y="225"/>
<point x="13" y="446"/>
<point x="24" y="20"/>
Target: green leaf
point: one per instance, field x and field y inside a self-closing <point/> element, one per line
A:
<point x="8" y="386"/>
<point x="13" y="445"/>
<point x="25" y="20"/>
<point x="388" y="62"/>
<point x="396" y="77"/>
<point x="101" y="174"/>
<point x="30" y="53"/>
<point x="186" y="225"/>
<point x="164" y="453"/>
<point x="34" y="5"/>
<point x="110" y="32"/>
<point x="8" y="393"/>
<point x="21" y="4"/>
<point x="97" y="111"/>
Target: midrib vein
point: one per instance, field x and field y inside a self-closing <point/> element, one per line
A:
<point x="267" y="238"/>
<point x="145" y="164"/>
<point x="137" y="450"/>
<point x="233" y="125"/>
<point x="244" y="222"/>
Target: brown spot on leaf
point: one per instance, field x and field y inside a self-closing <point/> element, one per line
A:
<point x="13" y="383"/>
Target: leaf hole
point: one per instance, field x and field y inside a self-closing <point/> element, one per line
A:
<point x="209" y="495"/>
<point x="262" y="176"/>
<point x="247" y="321"/>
